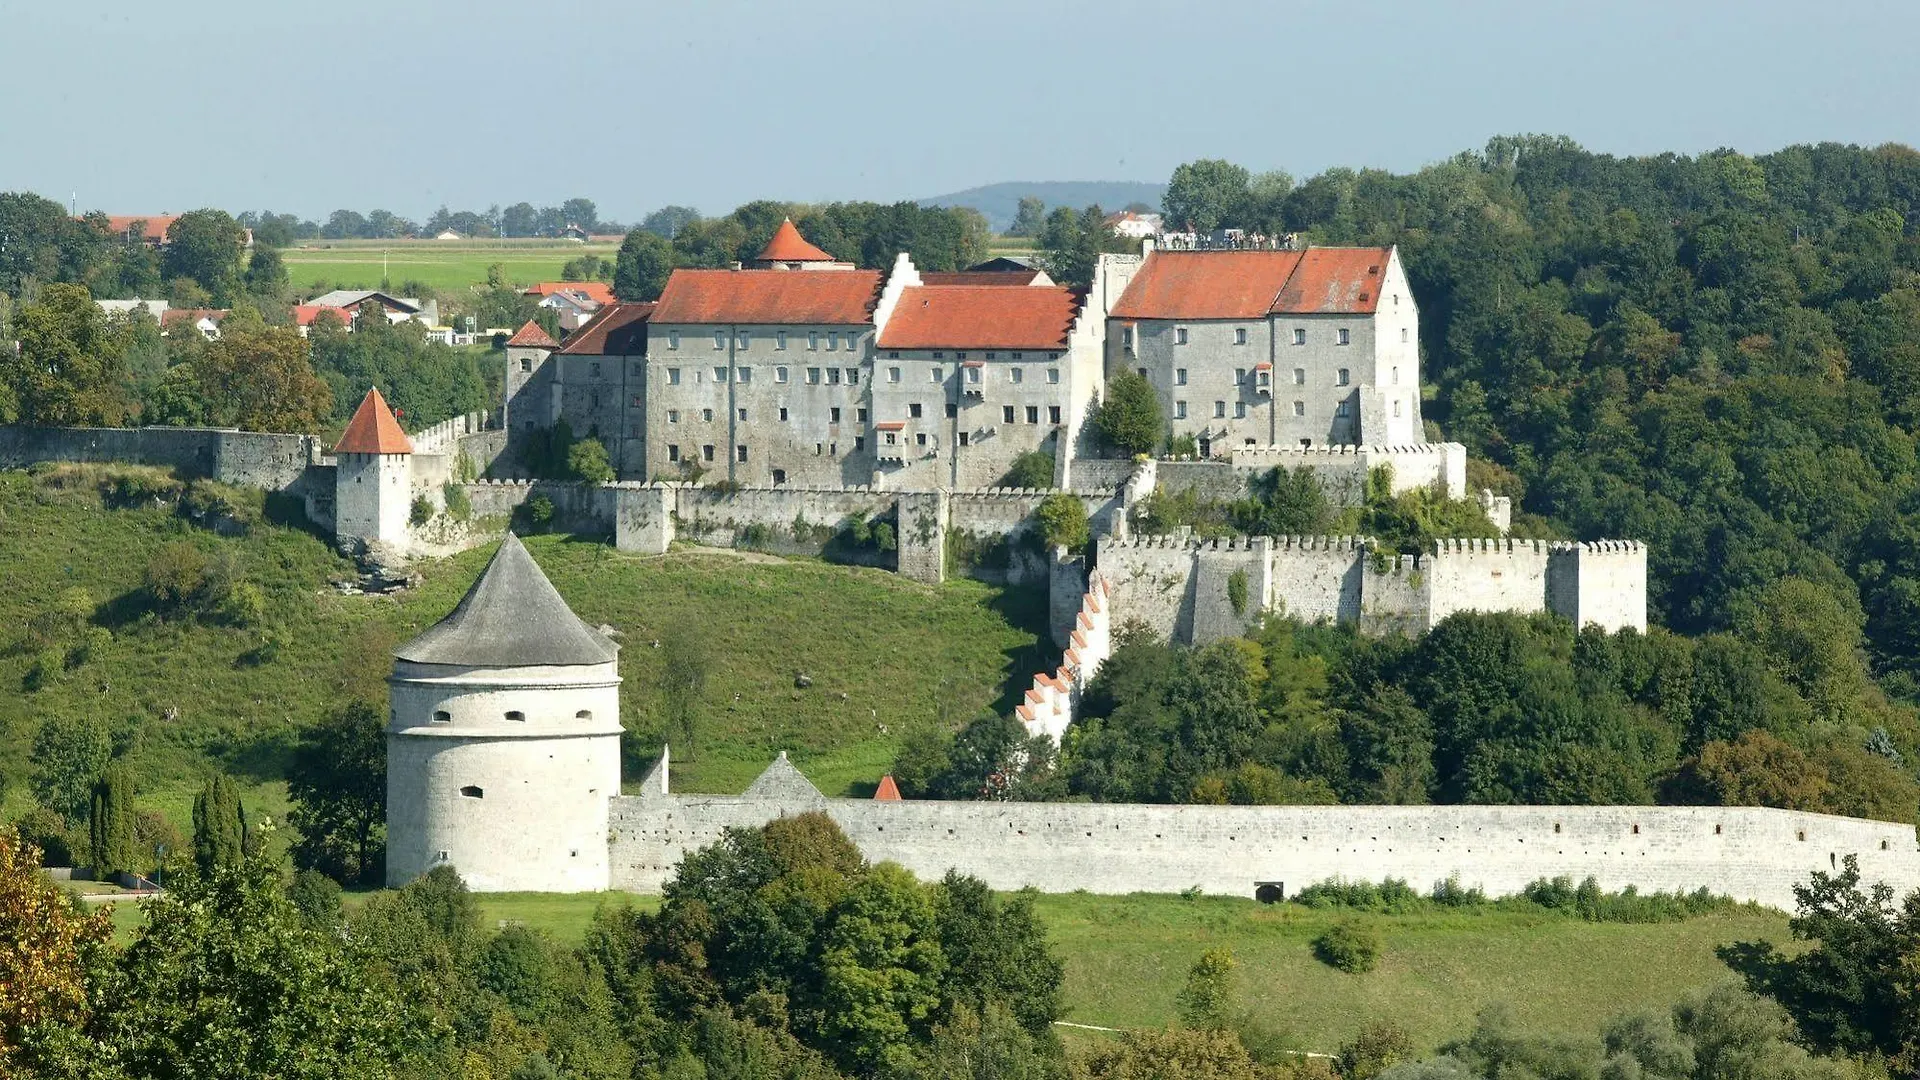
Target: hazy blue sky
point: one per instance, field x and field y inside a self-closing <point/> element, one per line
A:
<point x="309" y="106"/>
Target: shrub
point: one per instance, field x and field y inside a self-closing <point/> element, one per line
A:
<point x="1033" y="469"/>
<point x="1237" y="591"/>
<point x="245" y="605"/>
<point x="49" y="832"/>
<point x="422" y="510"/>
<point x="587" y="461"/>
<point x="47" y="668"/>
<point x="1351" y="946"/>
<point x="540" y="511"/>
<point x="1183" y="446"/>
<point x="459" y="507"/>
<point x="315" y="896"/>
<point x="1063" y="522"/>
<point x="174" y="575"/>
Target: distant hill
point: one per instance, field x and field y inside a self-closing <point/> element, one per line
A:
<point x="999" y="202"/>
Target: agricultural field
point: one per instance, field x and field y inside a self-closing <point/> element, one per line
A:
<point x="185" y="696"/>
<point x="446" y="266"/>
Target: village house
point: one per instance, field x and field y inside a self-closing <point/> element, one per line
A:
<point x="576" y="301"/>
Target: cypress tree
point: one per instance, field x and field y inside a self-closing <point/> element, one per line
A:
<point x="111" y="826"/>
<point x="219" y="825"/>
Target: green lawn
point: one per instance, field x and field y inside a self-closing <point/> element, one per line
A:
<point x="449" y="266"/>
<point x="184" y="698"/>
<point x="1127" y="956"/>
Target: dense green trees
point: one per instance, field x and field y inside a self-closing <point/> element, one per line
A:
<point x="338" y="782"/>
<point x="111" y="848"/>
<point x="70" y="369"/>
<point x="1129" y="417"/>
<point x="219" y="825"/>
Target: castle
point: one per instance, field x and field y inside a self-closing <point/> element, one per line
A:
<point x="503" y="762"/>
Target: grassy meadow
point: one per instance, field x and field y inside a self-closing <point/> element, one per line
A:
<point x="445" y="265"/>
<point x="1127" y="956"/>
<point x="186" y="696"/>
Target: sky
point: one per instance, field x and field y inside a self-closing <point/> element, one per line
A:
<point x="308" y="107"/>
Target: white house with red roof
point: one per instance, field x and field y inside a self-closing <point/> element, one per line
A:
<point x="1267" y="347"/>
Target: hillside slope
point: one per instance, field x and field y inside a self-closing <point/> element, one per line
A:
<point x="184" y="696"/>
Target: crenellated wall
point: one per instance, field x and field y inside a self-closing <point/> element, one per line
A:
<point x="1341" y="470"/>
<point x="1180" y="588"/>
<point x="243" y="458"/>
<point x="1748" y="853"/>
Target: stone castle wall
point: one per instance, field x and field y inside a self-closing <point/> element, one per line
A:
<point x="243" y="458"/>
<point x="1748" y="853"/>
<point x="1182" y="589"/>
<point x="1341" y="470"/>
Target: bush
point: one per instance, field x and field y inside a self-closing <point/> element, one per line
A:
<point x="174" y="575"/>
<point x="47" y="668"/>
<point x="1033" y="469"/>
<point x="1351" y="946"/>
<point x="421" y="511"/>
<point x="245" y="605"/>
<point x="1129" y="419"/>
<point x="1063" y="522"/>
<point x="459" y="507"/>
<point x="49" y="832"/>
<point x="315" y="896"/>
<point x="587" y="461"/>
<point x="540" y="512"/>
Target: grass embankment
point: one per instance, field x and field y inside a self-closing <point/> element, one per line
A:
<point x="449" y="266"/>
<point x="1127" y="957"/>
<point x="183" y="698"/>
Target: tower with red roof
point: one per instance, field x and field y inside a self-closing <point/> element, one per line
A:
<point x="373" y="477"/>
<point x="530" y="398"/>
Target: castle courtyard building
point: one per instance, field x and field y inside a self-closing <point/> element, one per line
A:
<point x="1275" y="347"/>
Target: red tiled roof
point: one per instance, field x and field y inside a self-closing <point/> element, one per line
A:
<point x="888" y="791"/>
<point x="156" y="225"/>
<point x="978" y="277"/>
<point x="597" y="291"/>
<point x="1335" y="281"/>
<point x="373" y="430"/>
<point x="619" y="329"/>
<point x="979" y="317"/>
<point x="788" y="245"/>
<point x="305" y="314"/>
<point x="769" y="297"/>
<point x="1206" y="285"/>
<point x="531" y="336"/>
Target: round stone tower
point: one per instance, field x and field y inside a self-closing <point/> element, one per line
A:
<point x="503" y="744"/>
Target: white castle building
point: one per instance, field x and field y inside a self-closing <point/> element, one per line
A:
<point x="503" y="744"/>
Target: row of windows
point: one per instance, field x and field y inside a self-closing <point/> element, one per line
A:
<point x="1342" y="377"/>
<point x="1341" y="335"/>
<point x="1239" y="410"/>
<point x="743" y="339"/>
<point x="441" y="716"/>
<point x="781" y="374"/>
<point x="833" y="415"/>
<point x="941" y="355"/>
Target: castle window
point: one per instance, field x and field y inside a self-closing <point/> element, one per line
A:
<point x="1299" y="376"/>
<point x="1340" y="409"/>
<point x="673" y="376"/>
<point x="959" y="356"/>
<point x="473" y="792"/>
<point x="1299" y="408"/>
<point x="859" y="443"/>
<point x="853" y="376"/>
<point x="965" y="438"/>
<point x="673" y="452"/>
<point x="993" y="356"/>
<point x="1006" y="414"/>
<point x="780" y="374"/>
<point x="1179" y="376"/>
<point x="517" y="716"/>
<point x="813" y="376"/>
<point x="1396" y="407"/>
<point x="637" y="366"/>
<point x="673" y="416"/>
<point x="706" y="452"/>
<point x="1017" y="374"/>
<point x="921" y="438"/>
<point x="1239" y="376"/>
<point x="779" y="476"/>
<point x="1345" y="378"/>
<point x="1403" y="331"/>
<point x="813" y="339"/>
<point x="1716" y="829"/>
<point x="1636" y="830"/>
<point x="743" y="416"/>
<point x="719" y="339"/>
<point x="706" y="415"/>
<point x="780" y="339"/>
<point x="442" y="717"/>
<point x="1180" y="335"/>
<point x="833" y="376"/>
<point x="1239" y="410"/>
<point x="952" y="410"/>
<point x="720" y="375"/>
<point x="1240" y="335"/>
<point x="893" y="373"/>
<point x="860" y="415"/>
<point x="833" y="414"/>
<point x="593" y="369"/>
<point x="526" y="364"/>
<point x="743" y="374"/>
<point x="939" y="374"/>
<point x="1033" y="414"/>
<point x="1179" y="410"/>
<point x="1396" y="376"/>
<point x="1343" y="335"/>
<point x="783" y="414"/>
<point x="639" y="402"/>
<point x="740" y="452"/>
<point x="833" y="342"/>
<point x="1299" y="335"/>
<point x="1219" y="409"/>
<point x="894" y="355"/>
<point x="913" y="410"/>
<point x="1053" y="376"/>
<point x="973" y="375"/>
<point x="1053" y="414"/>
<point x="939" y="356"/>
<point x="673" y="339"/>
<point x="583" y="714"/>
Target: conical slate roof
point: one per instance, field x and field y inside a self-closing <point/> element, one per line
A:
<point x="512" y="617"/>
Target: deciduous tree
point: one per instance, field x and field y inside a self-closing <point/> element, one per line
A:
<point x="338" y="782"/>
